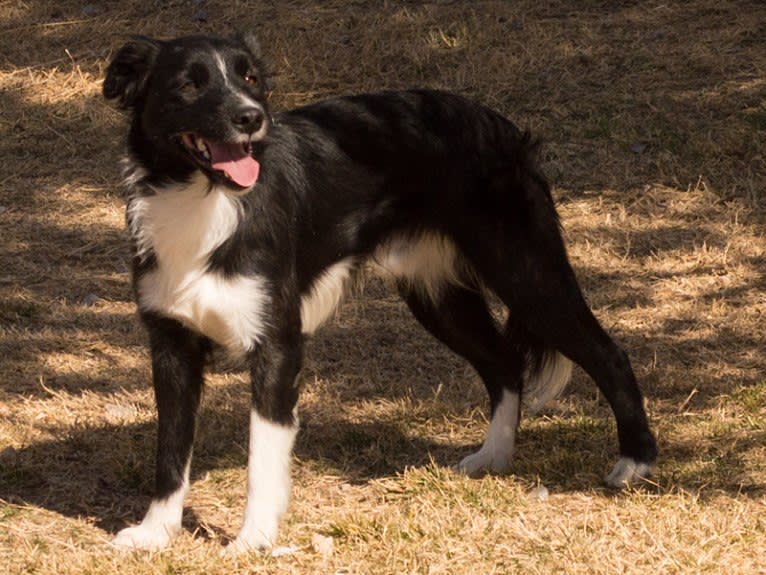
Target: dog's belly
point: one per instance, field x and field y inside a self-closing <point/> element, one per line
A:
<point x="428" y="262"/>
<point x="230" y="311"/>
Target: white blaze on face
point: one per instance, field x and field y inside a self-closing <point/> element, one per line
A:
<point x="221" y="65"/>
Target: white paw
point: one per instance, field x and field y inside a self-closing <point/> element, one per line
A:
<point x="252" y="539"/>
<point x="496" y="451"/>
<point x="149" y="537"/>
<point x="627" y="472"/>
<point x="481" y="462"/>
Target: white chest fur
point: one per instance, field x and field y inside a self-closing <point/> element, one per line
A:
<point x="183" y="225"/>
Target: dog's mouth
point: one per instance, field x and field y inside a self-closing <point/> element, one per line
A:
<point x="232" y="160"/>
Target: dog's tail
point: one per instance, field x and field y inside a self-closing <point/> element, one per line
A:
<point x="546" y="375"/>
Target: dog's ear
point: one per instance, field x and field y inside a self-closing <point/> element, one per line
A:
<point x="250" y="41"/>
<point x="128" y="72"/>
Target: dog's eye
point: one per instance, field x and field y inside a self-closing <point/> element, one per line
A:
<point x="187" y="87"/>
<point x="251" y="80"/>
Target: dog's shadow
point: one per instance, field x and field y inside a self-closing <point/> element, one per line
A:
<point x="105" y="473"/>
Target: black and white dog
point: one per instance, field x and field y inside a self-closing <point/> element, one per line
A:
<point x="246" y="228"/>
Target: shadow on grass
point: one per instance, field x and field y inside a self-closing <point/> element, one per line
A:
<point x="106" y="472"/>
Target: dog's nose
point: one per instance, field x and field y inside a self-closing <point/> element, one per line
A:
<point x="249" y="119"/>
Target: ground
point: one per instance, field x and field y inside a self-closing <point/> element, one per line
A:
<point x="653" y="118"/>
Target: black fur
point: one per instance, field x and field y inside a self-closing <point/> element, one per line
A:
<point x="338" y="179"/>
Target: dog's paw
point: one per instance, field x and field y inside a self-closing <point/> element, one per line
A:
<point x="149" y="537"/>
<point x="628" y="472"/>
<point x="253" y="539"/>
<point x="243" y="545"/>
<point x="481" y="462"/>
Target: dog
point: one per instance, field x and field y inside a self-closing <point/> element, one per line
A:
<point x="246" y="228"/>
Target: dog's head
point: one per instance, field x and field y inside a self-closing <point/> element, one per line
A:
<point x="198" y="104"/>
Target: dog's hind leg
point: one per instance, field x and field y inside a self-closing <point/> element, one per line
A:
<point x="532" y="275"/>
<point x="458" y="316"/>
<point x="565" y="323"/>
<point x="178" y="358"/>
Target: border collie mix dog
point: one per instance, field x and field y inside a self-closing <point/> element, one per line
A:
<point x="246" y="227"/>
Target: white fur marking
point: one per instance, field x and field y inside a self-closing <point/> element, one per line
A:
<point x="183" y="225"/>
<point x="222" y="67"/>
<point x="227" y="310"/>
<point x="628" y="472"/>
<point x="318" y="305"/>
<point x="183" y="222"/>
<point x="496" y="451"/>
<point x="245" y="99"/>
<point x="546" y="385"/>
<point x="132" y="172"/>
<point x="161" y="523"/>
<point x="268" y="482"/>
<point x="427" y="262"/>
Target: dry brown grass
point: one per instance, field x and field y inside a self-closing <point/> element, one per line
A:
<point x="654" y="114"/>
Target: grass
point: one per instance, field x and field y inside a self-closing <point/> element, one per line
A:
<point x="652" y="115"/>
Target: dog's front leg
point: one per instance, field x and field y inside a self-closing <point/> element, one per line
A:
<point x="178" y="359"/>
<point x="274" y="366"/>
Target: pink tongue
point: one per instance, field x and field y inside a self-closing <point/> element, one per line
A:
<point x="239" y="166"/>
